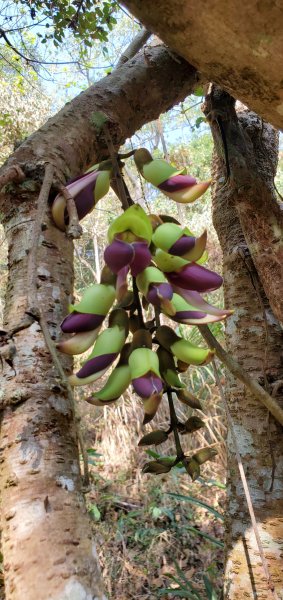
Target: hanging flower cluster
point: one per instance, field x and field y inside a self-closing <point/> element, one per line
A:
<point x="150" y="261"/>
<point x="86" y="189"/>
<point x="175" y="184"/>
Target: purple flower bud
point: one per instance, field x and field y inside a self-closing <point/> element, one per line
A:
<point x="183" y="245"/>
<point x="177" y="182"/>
<point x="78" y="322"/>
<point x="119" y="254"/>
<point x="85" y="201"/>
<point x="141" y="259"/>
<point x="96" y="364"/>
<point x="182" y="315"/>
<point x="147" y="385"/>
<point x="195" y="277"/>
<point x="159" y="291"/>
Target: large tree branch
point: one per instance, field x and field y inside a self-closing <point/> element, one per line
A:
<point x="69" y="141"/>
<point x="137" y="43"/>
<point x="238" y="47"/>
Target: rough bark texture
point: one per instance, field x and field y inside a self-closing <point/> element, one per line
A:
<point x="47" y="541"/>
<point x="251" y="159"/>
<point x="240" y="47"/>
<point x="254" y="337"/>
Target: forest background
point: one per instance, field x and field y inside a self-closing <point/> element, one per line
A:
<point x="156" y="537"/>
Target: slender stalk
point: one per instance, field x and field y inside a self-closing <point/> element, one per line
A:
<point x="138" y="303"/>
<point x="32" y="303"/>
<point x="34" y="310"/>
<point x="174" y="424"/>
<point x="117" y="183"/>
<point x="232" y="365"/>
<point x="138" y="42"/>
<point x="74" y="229"/>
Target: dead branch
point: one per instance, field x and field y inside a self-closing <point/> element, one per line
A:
<point x="235" y="368"/>
<point x="74" y="229"/>
<point x="13" y="174"/>
<point x="133" y="48"/>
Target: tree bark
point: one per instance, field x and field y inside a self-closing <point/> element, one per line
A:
<point x="240" y="48"/>
<point x="250" y="158"/>
<point x="254" y="337"/>
<point x="46" y="533"/>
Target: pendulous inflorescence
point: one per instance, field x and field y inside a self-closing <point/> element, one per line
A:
<point x="153" y="264"/>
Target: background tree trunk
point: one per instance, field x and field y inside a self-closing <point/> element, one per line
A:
<point x="238" y="47"/>
<point x="251" y="161"/>
<point x="47" y="540"/>
<point x="254" y="337"/>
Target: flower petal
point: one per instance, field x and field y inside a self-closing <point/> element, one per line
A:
<point x="159" y="291"/>
<point x="96" y="364"/>
<point x="79" y="322"/>
<point x="177" y="182"/>
<point x="142" y="257"/>
<point x="195" y="277"/>
<point x="118" y="255"/>
<point x="147" y="385"/>
<point x="182" y="245"/>
<point x="196" y="300"/>
<point x="150" y="406"/>
<point x="77" y="184"/>
<point x="189" y="194"/>
<point x="122" y="283"/>
<point x="78" y="343"/>
<point x="85" y="201"/>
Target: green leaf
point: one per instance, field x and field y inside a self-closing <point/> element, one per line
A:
<point x="179" y="593"/>
<point x="94" y="512"/>
<point x="187" y="583"/>
<point x="198" y="502"/>
<point x="156" y="513"/>
<point x="199" y="91"/>
<point x="210" y="590"/>
<point x="206" y="536"/>
<point x="199" y="121"/>
<point x="213" y="482"/>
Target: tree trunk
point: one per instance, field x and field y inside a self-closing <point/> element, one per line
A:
<point x="254" y="338"/>
<point x="251" y="161"/>
<point x="46" y="533"/>
<point x="238" y="47"/>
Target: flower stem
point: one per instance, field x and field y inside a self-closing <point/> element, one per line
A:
<point x="174" y="426"/>
<point x="138" y="303"/>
